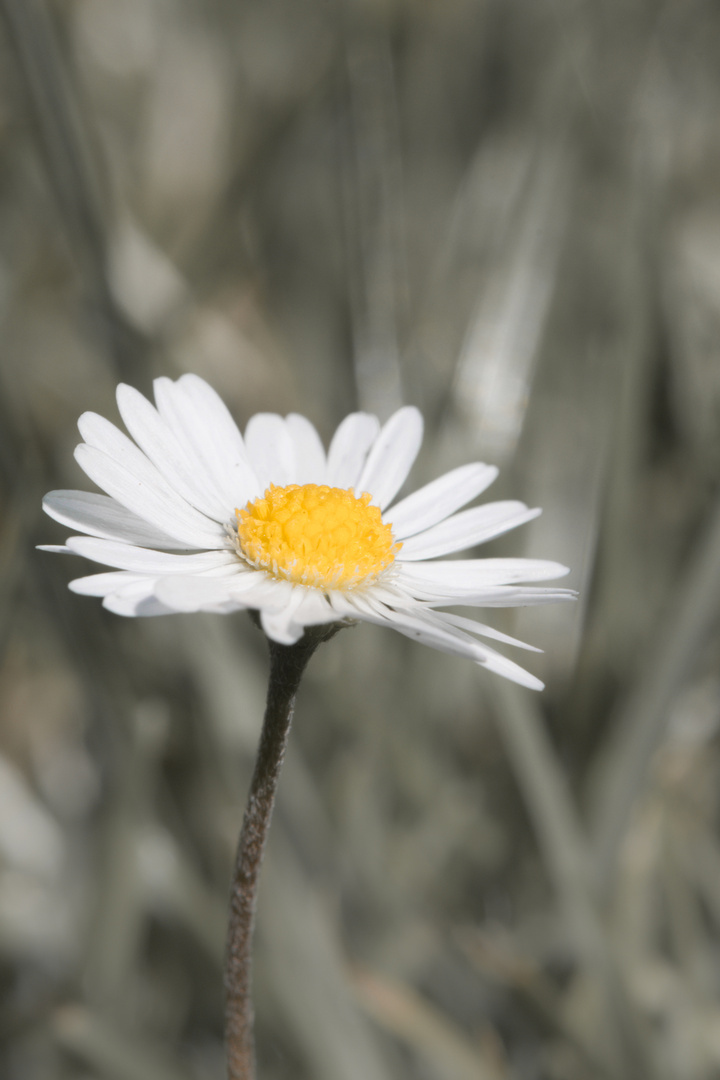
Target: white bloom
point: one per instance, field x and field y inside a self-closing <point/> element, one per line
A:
<point x="196" y="518"/>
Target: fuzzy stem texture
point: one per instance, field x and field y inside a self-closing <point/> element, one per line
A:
<point x="287" y="664"/>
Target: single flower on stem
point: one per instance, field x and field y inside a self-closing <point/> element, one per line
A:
<point x="198" y="518"/>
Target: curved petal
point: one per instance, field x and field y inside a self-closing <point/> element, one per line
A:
<point x="193" y="593"/>
<point x="469" y="575"/>
<point x="271" y="450"/>
<point x="201" y="421"/>
<point x="281" y="625"/>
<point x="251" y="589"/>
<point x="188" y="478"/>
<point x="123" y="593"/>
<point x="466" y="529"/>
<point x="146" y="561"/>
<point x="349" y="448"/>
<point x="437" y="500"/>
<point x="133" y="481"/>
<point x="99" y="515"/>
<point x="104" y="584"/>
<point x="315" y="609"/>
<point x="470" y="626"/>
<point x="135" y="599"/>
<point x="392" y="456"/>
<point x="426" y="628"/>
<point x="311" y="465"/>
<point x="305" y="607"/>
<point x="498" y="596"/>
<point x="264" y="591"/>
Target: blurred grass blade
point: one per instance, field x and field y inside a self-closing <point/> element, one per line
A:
<point x="309" y="981"/>
<point x="71" y="168"/>
<point x="621" y="769"/>
<point x="402" y="1012"/>
<point x="373" y="221"/>
<point x="566" y="855"/>
<point x="494" y="373"/>
<point x="108" y="1051"/>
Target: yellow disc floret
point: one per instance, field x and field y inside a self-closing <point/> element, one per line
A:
<point x="315" y="535"/>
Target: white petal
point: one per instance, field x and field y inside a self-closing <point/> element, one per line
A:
<point x="458" y="576"/>
<point x="473" y="627"/>
<point x="193" y="593"/>
<point x="402" y="596"/>
<point x="466" y="529"/>
<point x="99" y="434"/>
<point x="501" y="596"/>
<point x="305" y="607"/>
<point x="364" y="606"/>
<point x="280" y="625"/>
<point x="399" y="592"/>
<point x="145" y="561"/>
<point x="437" y="500"/>
<point x="136" y="600"/>
<point x="392" y="456"/>
<point x="134" y="482"/>
<point x="261" y="591"/>
<point x="189" y="478"/>
<point x="251" y="589"/>
<point x="99" y="515"/>
<point x="424" y="628"/>
<point x="103" y="584"/>
<point x="124" y="593"/>
<point x="496" y="662"/>
<point x="309" y="451"/>
<point x="349" y="449"/>
<point x="315" y="609"/>
<point x="144" y="607"/>
<point x="271" y="450"/>
<point x="200" y="420"/>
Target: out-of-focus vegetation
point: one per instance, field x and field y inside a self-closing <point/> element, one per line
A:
<point x="507" y="212"/>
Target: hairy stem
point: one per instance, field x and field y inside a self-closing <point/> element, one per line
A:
<point x="287" y="664"/>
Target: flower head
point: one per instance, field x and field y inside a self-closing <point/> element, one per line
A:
<point x="198" y="518"/>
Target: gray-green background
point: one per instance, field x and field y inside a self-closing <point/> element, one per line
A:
<point x="508" y="213"/>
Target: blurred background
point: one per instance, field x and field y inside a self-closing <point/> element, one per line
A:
<point x="508" y="213"/>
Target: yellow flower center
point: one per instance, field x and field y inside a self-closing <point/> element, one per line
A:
<point x="316" y="535"/>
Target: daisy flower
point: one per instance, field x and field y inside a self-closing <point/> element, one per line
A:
<point x="197" y="517"/>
